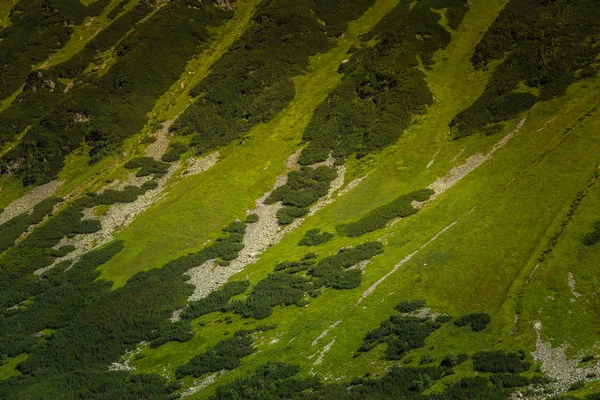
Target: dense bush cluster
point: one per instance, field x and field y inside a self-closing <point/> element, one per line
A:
<point x="593" y="237"/>
<point x="500" y="362"/>
<point x="270" y="381"/>
<point x="39" y="28"/>
<point x="401" y="333"/>
<point x="408" y="306"/>
<point x="102" y="42"/>
<point x="90" y="325"/>
<point x="280" y="381"/>
<point x="315" y="237"/>
<point x="15" y="227"/>
<point x="286" y="286"/>
<point x="215" y="301"/>
<point x="382" y="87"/>
<point x="379" y="217"/>
<point x="278" y="289"/>
<point x="514" y="380"/>
<point x="105" y="109"/>
<point x="174" y="152"/>
<point x="224" y="355"/>
<point x="302" y="189"/>
<point x="147" y="166"/>
<point x="477" y="321"/>
<point x="544" y="46"/>
<point x="333" y="271"/>
<point x="253" y="81"/>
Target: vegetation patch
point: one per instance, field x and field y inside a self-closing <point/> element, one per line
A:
<point x="383" y="86"/>
<point x="147" y="166"/>
<point x="400" y="333"/>
<point x="110" y="107"/>
<point x="315" y="237"/>
<point x="252" y="82"/>
<point x="543" y="46"/>
<point x="477" y="321"/>
<point x="224" y="355"/>
<point x="15" y="227"/>
<point x="500" y="362"/>
<point x="379" y="217"/>
<point x="302" y="189"/>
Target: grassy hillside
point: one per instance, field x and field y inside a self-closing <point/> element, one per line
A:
<point x="452" y="257"/>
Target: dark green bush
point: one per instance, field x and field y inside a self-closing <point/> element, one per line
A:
<point x="215" y="301"/>
<point x="174" y="152"/>
<point x="224" y="355"/>
<point x="379" y="217"/>
<point x="442" y="319"/>
<point x="477" y="321"/>
<point x="408" y="306"/>
<point x="542" y="45"/>
<point x="252" y="82"/>
<point x="276" y="289"/>
<point x="576" y="386"/>
<point x="593" y="237"/>
<point x="315" y="237"/>
<point x="302" y="189"/>
<point x="15" y="227"/>
<point x="252" y="218"/>
<point x="382" y="88"/>
<point x="330" y="271"/>
<point x="500" y="362"/>
<point x="452" y="360"/>
<point x="149" y="185"/>
<point x="147" y="166"/>
<point x="112" y="106"/>
<point x="401" y="334"/>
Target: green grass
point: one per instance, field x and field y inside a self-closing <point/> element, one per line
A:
<point x="505" y="212"/>
<point x="199" y="206"/>
<point x="7" y="369"/>
<point x="5" y="7"/>
<point x="478" y="265"/>
<point x="83" y="33"/>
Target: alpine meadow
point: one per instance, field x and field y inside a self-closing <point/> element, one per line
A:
<point x="300" y="199"/>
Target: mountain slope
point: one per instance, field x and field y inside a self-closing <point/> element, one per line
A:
<point x="210" y="256"/>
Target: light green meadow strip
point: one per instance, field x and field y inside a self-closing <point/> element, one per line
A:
<point x="475" y="266"/>
<point x="199" y="206"/>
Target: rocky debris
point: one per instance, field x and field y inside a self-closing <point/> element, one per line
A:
<point x="69" y="86"/>
<point x="80" y="118"/>
<point x="457" y="173"/>
<point x="424" y="312"/>
<point x="49" y="84"/>
<point x="201" y="383"/>
<point x="126" y="359"/>
<point x="325" y="332"/>
<point x="571" y="280"/>
<point x="197" y="165"/>
<point x="430" y="163"/>
<point x="324" y="351"/>
<point x="335" y="185"/>
<point x="225" y="5"/>
<point x="361" y="265"/>
<point x="176" y="315"/>
<point x="131" y="180"/>
<point x="258" y="237"/>
<point x="401" y="263"/>
<point x="561" y="370"/>
<point x="28" y="201"/>
<point x="117" y="217"/>
<point x="158" y="148"/>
